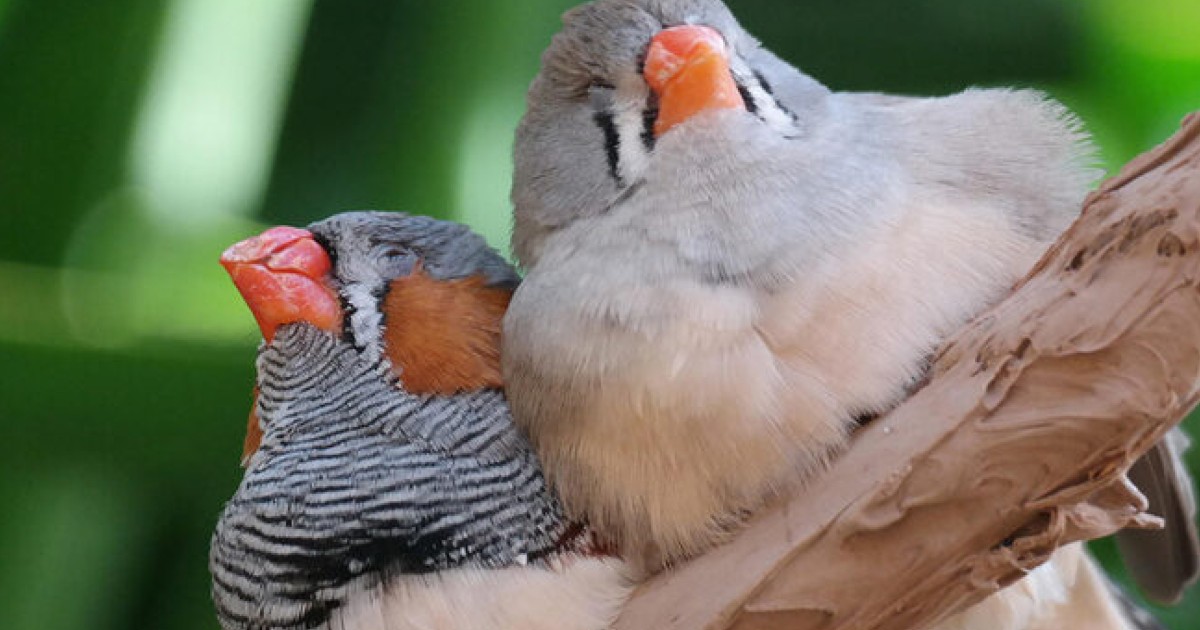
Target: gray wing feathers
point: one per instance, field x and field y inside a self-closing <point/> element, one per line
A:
<point x="1164" y="562"/>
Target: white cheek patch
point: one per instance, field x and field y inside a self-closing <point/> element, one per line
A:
<point x="366" y="321"/>
<point x="628" y="117"/>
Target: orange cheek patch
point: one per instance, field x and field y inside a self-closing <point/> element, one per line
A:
<point x="443" y="337"/>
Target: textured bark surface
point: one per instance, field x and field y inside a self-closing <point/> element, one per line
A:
<point x="1018" y="444"/>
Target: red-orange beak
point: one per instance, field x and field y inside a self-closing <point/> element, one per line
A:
<point x="688" y="68"/>
<point x="283" y="276"/>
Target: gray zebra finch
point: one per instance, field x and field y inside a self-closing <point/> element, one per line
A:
<point x="386" y="487"/>
<point x="729" y="265"/>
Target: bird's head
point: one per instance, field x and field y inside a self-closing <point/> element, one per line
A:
<point x="628" y="85"/>
<point x="423" y="296"/>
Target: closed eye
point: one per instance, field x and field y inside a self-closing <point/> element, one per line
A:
<point x="390" y="252"/>
<point x="600" y="95"/>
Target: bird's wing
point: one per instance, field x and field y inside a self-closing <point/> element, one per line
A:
<point x="1163" y="562"/>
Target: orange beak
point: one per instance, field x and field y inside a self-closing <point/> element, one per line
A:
<point x="282" y="274"/>
<point x="688" y="68"/>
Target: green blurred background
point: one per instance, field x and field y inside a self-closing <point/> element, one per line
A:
<point x="139" y="137"/>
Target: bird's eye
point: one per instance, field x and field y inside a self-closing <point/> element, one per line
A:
<point x="393" y="253"/>
<point x="600" y="95"/>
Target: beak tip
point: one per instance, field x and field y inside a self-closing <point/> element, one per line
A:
<point x="229" y="258"/>
<point x="688" y="67"/>
<point x="281" y="275"/>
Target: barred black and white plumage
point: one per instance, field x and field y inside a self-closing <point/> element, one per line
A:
<point x="361" y="487"/>
<point x="356" y="479"/>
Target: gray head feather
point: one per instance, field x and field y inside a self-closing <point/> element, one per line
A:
<point x="370" y="249"/>
<point x="373" y="246"/>
<point x="585" y="139"/>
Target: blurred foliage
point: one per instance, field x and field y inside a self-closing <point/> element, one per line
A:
<point x="139" y="137"/>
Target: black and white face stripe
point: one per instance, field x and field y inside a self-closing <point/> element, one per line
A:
<point x="626" y="116"/>
<point x="761" y="101"/>
<point x="371" y="249"/>
<point x="612" y="143"/>
<point x="348" y="308"/>
<point x="363" y="321"/>
<point x="362" y="298"/>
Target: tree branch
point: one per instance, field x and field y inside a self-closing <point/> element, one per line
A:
<point x="1018" y="444"/>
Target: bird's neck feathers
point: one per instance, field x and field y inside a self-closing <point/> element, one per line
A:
<point x="443" y="336"/>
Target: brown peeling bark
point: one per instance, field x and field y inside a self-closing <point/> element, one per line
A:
<point x="1018" y="444"/>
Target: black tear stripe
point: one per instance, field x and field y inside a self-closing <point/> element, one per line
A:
<point x="327" y="246"/>
<point x="348" y="309"/>
<point x="766" y="85"/>
<point x="649" y="117"/>
<point x="380" y="294"/>
<point x="612" y="143"/>
<point x="348" y="312"/>
<point x="747" y="98"/>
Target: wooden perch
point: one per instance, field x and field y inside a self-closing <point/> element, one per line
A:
<point x="1018" y="444"/>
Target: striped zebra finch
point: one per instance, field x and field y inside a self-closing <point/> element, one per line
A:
<point x="386" y="487"/>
